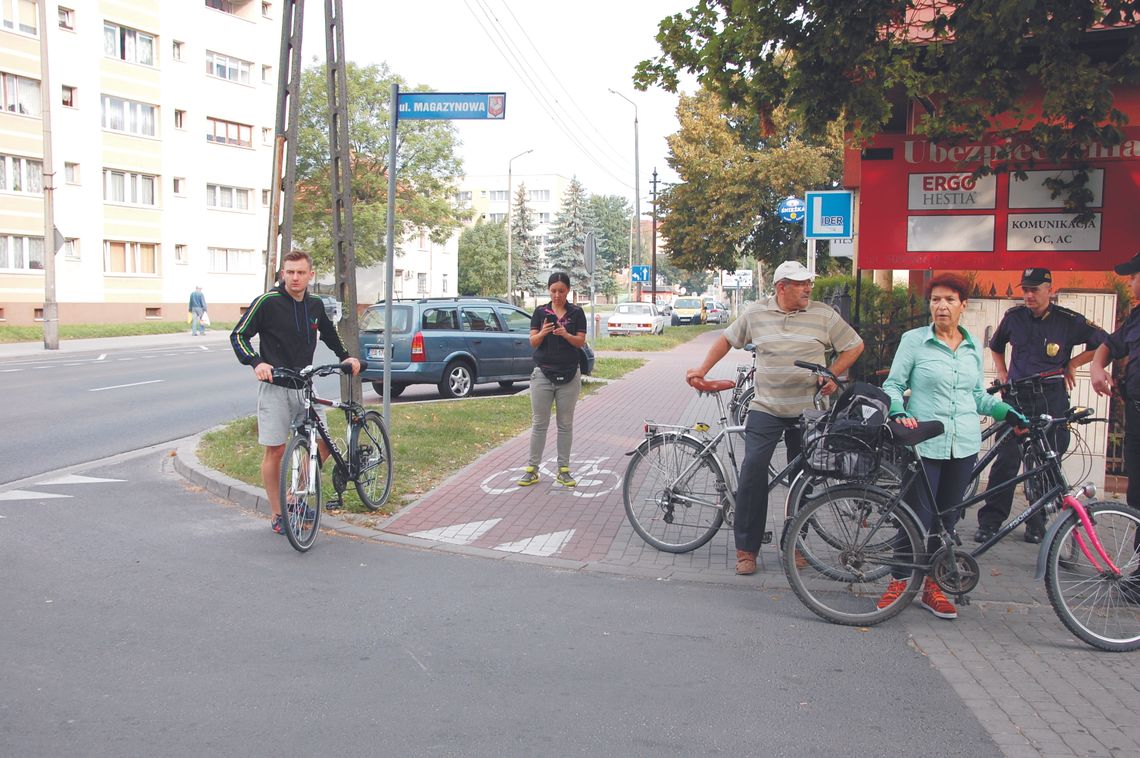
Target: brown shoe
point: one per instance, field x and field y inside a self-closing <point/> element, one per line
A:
<point x="745" y="562"/>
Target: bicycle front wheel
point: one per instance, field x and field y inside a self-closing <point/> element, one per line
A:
<point x="372" y="457"/>
<point x="843" y="551"/>
<point x="1100" y="608"/>
<point x="673" y="496"/>
<point x="300" y="497"/>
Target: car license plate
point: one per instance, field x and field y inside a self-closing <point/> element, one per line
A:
<point x="376" y="354"/>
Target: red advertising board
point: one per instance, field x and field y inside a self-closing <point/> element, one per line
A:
<point x="920" y="208"/>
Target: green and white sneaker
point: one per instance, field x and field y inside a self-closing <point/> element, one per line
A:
<point x="564" y="477"/>
<point x="529" y="477"/>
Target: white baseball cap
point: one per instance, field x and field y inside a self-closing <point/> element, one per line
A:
<point x="793" y="270"/>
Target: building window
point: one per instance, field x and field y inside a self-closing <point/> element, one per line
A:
<point x="71" y="248"/>
<point x="229" y="198"/>
<point x="179" y="119"/>
<point x="225" y="6"/>
<point x="266" y="74"/>
<point x="66" y="19"/>
<point x="266" y="135"/>
<point x="69" y="97"/>
<point x="130" y="258"/>
<point x="21" y="253"/>
<point x="71" y="173"/>
<point x="538" y="195"/>
<point x="444" y="284"/>
<point x="176" y="50"/>
<point x="544" y="218"/>
<point x="19" y="15"/>
<point x="127" y="44"/>
<point x="497" y="218"/>
<point x="179" y="185"/>
<point x="421" y="284"/>
<point x="129" y="188"/>
<point x="463" y="197"/>
<point x="22" y="175"/>
<point x="499" y="196"/>
<point x="128" y="116"/>
<point x="224" y="260"/>
<point x="265" y="198"/>
<point x="228" y="132"/>
<point x="265" y="9"/>
<point x="227" y="67"/>
<point x="182" y="254"/>
<point x="20" y="95"/>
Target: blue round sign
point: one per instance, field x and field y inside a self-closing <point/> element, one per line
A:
<point x="791" y="209"/>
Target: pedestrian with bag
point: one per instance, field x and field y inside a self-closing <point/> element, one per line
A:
<point x="197" y="310"/>
<point x="789" y="327"/>
<point x="557" y="334"/>
<point x="1042" y="335"/>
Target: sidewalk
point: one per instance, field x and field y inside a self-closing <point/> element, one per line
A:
<point x="100" y="344"/>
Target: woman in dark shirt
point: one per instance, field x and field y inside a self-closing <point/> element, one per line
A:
<point x="557" y="332"/>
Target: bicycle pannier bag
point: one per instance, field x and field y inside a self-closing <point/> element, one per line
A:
<point x="844" y="442"/>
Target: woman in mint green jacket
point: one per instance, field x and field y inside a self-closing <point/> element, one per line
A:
<point x="941" y="365"/>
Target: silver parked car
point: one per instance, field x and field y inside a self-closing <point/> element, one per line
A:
<point x="636" y="318"/>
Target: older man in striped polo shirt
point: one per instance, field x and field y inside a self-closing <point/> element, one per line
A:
<point x="789" y="327"/>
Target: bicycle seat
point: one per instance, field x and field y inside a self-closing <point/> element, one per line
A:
<point x="926" y="430"/>
<point x="714" y="385"/>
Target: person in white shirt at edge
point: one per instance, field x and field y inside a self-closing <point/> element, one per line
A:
<point x="788" y="327"/>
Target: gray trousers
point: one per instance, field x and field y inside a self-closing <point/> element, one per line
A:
<point x="543" y="394"/>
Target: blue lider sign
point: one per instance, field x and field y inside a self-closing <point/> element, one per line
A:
<point x="452" y="105"/>
<point x="791" y="209"/>
<point x="829" y="215"/>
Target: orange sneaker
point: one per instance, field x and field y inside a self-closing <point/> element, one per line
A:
<point x="934" y="601"/>
<point x="745" y="562"/>
<point x="894" y="589"/>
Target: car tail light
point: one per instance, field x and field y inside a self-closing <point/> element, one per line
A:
<point x="418" y="355"/>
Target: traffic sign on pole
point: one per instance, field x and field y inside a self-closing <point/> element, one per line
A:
<point x="639" y="273"/>
<point x="829" y="215"/>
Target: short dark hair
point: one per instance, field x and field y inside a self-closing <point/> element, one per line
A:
<point x="559" y="276"/>
<point x="296" y="255"/>
<point x="956" y="282"/>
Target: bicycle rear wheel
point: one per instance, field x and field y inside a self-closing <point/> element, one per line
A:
<point x="1101" y="609"/>
<point x="300" y="498"/>
<point x="674" y="513"/>
<point x="841" y="566"/>
<point x="372" y="457"/>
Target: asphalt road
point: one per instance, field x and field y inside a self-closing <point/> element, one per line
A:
<point x="143" y="618"/>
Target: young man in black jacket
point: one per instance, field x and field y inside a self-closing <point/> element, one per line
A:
<point x="288" y="321"/>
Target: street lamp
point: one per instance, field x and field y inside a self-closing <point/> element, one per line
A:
<point x="636" y="178"/>
<point x="510" y="204"/>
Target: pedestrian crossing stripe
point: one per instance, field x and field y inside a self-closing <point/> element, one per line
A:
<point x="458" y="534"/>
<point x="29" y="495"/>
<point x="77" y="479"/>
<point x="542" y="545"/>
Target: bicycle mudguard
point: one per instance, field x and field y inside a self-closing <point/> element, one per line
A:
<point x="1043" y="551"/>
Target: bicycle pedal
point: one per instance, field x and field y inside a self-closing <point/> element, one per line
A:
<point x="334" y="505"/>
<point x="961" y="600"/>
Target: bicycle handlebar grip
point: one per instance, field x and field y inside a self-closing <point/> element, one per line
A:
<point x="814" y="367"/>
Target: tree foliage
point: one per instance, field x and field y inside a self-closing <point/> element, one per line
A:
<point x="609" y="217"/>
<point x="567" y="239"/>
<point x="733" y="178"/>
<point x="429" y="168"/>
<point x="483" y="259"/>
<point x="526" y="256"/>
<point x="974" y="65"/>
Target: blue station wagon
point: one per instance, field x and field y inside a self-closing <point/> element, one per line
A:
<point x="453" y="343"/>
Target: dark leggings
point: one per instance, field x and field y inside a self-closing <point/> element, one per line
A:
<point x="948" y="480"/>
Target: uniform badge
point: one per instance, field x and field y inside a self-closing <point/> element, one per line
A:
<point x="1051" y="349"/>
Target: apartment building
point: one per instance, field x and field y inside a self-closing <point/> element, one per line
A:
<point x="162" y="125"/>
<point x="488" y="197"/>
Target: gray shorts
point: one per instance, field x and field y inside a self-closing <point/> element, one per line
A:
<point x="278" y="408"/>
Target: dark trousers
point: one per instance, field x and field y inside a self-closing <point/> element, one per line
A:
<point x="1008" y="461"/>
<point x="948" y="479"/>
<point x="1132" y="459"/>
<point x="762" y="432"/>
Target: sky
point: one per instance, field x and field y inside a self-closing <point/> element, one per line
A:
<point x="556" y="61"/>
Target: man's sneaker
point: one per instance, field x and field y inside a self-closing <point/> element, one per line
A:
<point x="529" y="477"/>
<point x="277" y="525"/>
<point x="745" y="562"/>
<point x="984" y="533"/>
<point x="564" y="477"/>
<point x="894" y="590"/>
<point x="934" y="601"/>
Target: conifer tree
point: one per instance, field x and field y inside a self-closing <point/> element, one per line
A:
<point x="526" y="257"/>
<point x="566" y="243"/>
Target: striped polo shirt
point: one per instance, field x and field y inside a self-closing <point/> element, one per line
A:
<point x="783" y="337"/>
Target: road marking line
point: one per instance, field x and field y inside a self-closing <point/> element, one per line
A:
<point x="101" y="356"/>
<point x="28" y="495"/>
<point x="543" y="545"/>
<point x="120" y="386"/>
<point x="77" y="479"/>
<point x="9" y="370"/>
<point x="457" y="534"/>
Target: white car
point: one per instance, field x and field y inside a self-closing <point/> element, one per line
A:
<point x="636" y="318"/>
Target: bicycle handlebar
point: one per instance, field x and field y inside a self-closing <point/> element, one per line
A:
<point x="819" y="370"/>
<point x="1032" y="382"/>
<point x="307" y="374"/>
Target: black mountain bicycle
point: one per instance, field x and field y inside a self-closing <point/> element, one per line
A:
<point x="367" y="462"/>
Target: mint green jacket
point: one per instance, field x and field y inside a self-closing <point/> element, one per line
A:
<point x="945" y="385"/>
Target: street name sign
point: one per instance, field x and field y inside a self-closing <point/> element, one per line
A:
<point x="441" y="106"/>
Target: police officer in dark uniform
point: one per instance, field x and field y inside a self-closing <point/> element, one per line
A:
<point x="1043" y="336"/>
<point x="1125" y="341"/>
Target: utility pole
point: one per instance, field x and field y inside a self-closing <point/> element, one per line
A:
<point x="653" y="242"/>
<point x="636" y="182"/>
<point x="51" y="307"/>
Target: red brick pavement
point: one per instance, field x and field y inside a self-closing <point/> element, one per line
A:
<point x="607" y="424"/>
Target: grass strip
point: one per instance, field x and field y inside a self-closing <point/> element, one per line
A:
<point x="672" y="337"/>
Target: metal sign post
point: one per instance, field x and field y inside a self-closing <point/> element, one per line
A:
<point x="829" y="216"/>
<point x="590" y="254"/>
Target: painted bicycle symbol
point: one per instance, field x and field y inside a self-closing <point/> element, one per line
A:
<point x="593" y="481"/>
